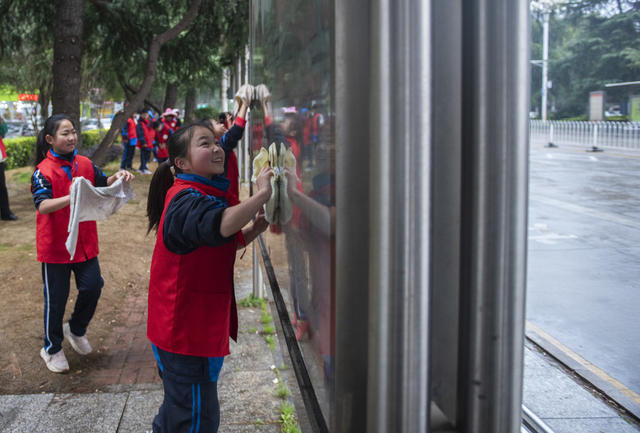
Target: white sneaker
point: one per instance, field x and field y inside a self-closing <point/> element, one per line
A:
<point x="79" y="344"/>
<point x="146" y="172"/>
<point x="56" y="362"/>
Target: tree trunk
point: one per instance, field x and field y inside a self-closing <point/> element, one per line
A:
<point x="170" y="96"/>
<point x="190" y="101"/>
<point x="67" y="58"/>
<point x="100" y="155"/>
<point x="46" y="89"/>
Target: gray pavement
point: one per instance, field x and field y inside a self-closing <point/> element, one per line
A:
<point x="564" y="403"/>
<point x="247" y="391"/>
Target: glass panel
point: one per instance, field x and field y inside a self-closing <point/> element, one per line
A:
<point x="290" y="48"/>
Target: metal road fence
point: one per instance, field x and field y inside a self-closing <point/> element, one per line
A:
<point x="589" y="135"/>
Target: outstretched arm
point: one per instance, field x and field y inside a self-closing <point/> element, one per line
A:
<point x="236" y="217"/>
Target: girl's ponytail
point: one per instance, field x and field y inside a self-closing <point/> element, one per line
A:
<point x="42" y="147"/>
<point x="160" y="183"/>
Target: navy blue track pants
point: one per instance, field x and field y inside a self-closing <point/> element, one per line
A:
<point x="56" y="278"/>
<point x="127" y="156"/>
<point x="190" y="393"/>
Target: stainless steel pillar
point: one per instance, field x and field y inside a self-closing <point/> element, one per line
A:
<point x="400" y="168"/>
<point x="494" y="214"/>
<point x="352" y="98"/>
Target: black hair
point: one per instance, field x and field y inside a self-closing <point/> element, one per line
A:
<point x="143" y="110"/>
<point x="50" y="127"/>
<point x="178" y="146"/>
<point x="222" y="117"/>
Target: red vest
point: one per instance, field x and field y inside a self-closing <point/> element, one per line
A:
<point x="306" y="131"/>
<point x="131" y="128"/>
<point x="51" y="228"/>
<point x="315" y="127"/>
<point x="163" y="150"/>
<point x="192" y="306"/>
<point x="168" y="128"/>
<point x="3" y="151"/>
<point x="233" y="174"/>
<point x="149" y="134"/>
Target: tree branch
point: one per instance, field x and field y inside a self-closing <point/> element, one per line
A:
<point x="157" y="41"/>
<point x="185" y="22"/>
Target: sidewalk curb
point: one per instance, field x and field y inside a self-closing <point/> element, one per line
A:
<point x="607" y="385"/>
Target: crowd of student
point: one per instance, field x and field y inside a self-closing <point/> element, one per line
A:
<point x="149" y="135"/>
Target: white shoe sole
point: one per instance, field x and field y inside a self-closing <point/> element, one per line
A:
<point x="66" y="330"/>
<point x="44" y="355"/>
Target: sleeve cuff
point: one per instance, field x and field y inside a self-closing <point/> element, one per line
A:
<point x="241" y="122"/>
<point x="240" y="239"/>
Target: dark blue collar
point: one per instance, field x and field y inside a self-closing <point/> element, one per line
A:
<point x="217" y="181"/>
<point x="68" y="157"/>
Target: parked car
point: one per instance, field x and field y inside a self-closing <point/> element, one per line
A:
<point x="94" y="123"/>
<point x="19" y="129"/>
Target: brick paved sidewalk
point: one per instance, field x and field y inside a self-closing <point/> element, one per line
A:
<point x="248" y="385"/>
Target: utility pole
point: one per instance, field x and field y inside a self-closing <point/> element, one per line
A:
<point x="545" y="61"/>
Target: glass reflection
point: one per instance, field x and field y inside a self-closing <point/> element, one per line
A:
<point x="290" y="57"/>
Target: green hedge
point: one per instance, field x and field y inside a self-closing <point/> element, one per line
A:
<point x="617" y="118"/>
<point x="20" y="150"/>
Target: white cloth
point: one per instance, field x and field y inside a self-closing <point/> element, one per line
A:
<point x="88" y="203"/>
<point x="243" y="95"/>
<point x="262" y="93"/>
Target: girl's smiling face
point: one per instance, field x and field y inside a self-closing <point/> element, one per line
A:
<point x="64" y="139"/>
<point x="206" y="157"/>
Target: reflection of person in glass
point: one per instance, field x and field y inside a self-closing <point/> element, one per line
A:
<point x="287" y="132"/>
<point x="317" y="213"/>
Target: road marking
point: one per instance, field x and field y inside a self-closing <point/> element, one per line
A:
<point x="607" y="216"/>
<point x="585" y="364"/>
<point x="593" y="158"/>
<point x="550" y="238"/>
<point x="546" y="236"/>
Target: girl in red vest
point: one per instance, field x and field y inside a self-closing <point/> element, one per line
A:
<point x="57" y="163"/>
<point x="192" y="310"/>
<point x="146" y="134"/>
<point x="168" y="126"/>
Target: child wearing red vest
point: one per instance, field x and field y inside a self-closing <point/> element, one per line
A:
<point x="146" y="135"/>
<point x="129" y="142"/>
<point x="168" y="126"/>
<point x="57" y="163"/>
<point x="192" y="310"/>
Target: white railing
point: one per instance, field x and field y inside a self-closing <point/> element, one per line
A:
<point x="589" y="135"/>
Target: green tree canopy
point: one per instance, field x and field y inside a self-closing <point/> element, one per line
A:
<point x="591" y="43"/>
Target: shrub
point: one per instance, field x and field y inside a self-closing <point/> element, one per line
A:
<point x="621" y="118"/>
<point x="582" y="117"/>
<point x="20" y="150"/>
